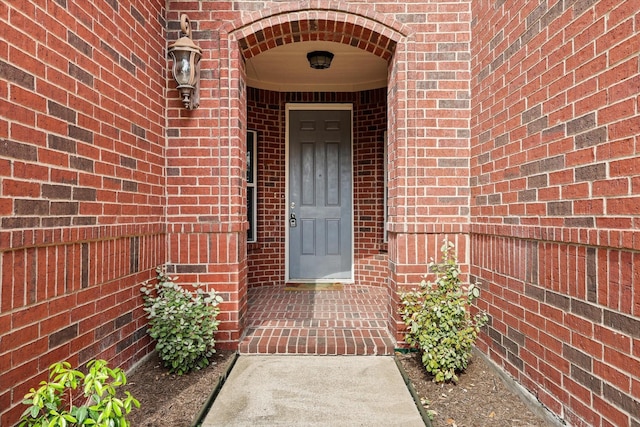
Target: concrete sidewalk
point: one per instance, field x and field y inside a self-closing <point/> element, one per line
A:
<point x="314" y="391"/>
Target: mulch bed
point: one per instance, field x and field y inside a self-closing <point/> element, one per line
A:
<point x="173" y="400"/>
<point x="479" y="399"/>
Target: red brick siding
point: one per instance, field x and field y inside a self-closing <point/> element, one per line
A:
<point x="554" y="195"/>
<point x="212" y="259"/>
<point x="266" y="114"/>
<point x="547" y="92"/>
<point x="81" y="184"/>
<point x="369" y="124"/>
<point x="265" y="258"/>
<point x="413" y="252"/>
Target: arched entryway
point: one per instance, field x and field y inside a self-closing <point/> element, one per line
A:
<point x="260" y="108"/>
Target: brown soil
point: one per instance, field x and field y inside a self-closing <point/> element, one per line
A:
<point x="479" y="399"/>
<point x="173" y="400"/>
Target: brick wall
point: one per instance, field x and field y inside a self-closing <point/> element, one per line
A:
<point x="81" y="183"/>
<point x="542" y="205"/>
<point x="555" y="128"/>
<point x="266" y="114"/>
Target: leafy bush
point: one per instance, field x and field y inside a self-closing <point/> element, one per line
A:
<point x="438" y="318"/>
<point x="183" y="323"/>
<point x="52" y="404"/>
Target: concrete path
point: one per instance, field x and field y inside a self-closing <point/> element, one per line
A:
<point x="314" y="391"/>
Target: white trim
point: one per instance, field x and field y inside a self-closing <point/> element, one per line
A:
<point x="311" y="106"/>
<point x="254" y="184"/>
<point x="385" y="191"/>
<point x="320" y="107"/>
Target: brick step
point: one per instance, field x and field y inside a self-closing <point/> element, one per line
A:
<point x="351" y="321"/>
<point x="290" y="323"/>
<point x="317" y="341"/>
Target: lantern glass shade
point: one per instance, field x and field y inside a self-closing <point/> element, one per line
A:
<point x="319" y="59"/>
<point x="184" y="66"/>
<point x="183" y="70"/>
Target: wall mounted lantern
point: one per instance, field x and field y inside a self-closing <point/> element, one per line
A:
<point x="319" y="59"/>
<point x="186" y="65"/>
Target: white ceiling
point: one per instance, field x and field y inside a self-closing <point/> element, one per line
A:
<point x="285" y="68"/>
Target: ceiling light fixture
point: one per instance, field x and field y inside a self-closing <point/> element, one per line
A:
<point x="319" y="59"/>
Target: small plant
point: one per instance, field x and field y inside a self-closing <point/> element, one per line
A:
<point x="53" y="403"/>
<point x="431" y="413"/>
<point x="438" y="318"/>
<point x="183" y="323"/>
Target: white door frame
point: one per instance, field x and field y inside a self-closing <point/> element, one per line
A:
<point x="330" y="107"/>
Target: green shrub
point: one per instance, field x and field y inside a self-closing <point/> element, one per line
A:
<point x="53" y="403"/>
<point x="438" y="318"/>
<point x="183" y="323"/>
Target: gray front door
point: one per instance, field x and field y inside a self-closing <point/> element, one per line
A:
<point x="320" y="187"/>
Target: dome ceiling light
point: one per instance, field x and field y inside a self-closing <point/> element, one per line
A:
<point x="319" y="59"/>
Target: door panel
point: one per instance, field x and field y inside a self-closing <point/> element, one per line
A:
<point x="333" y="236"/>
<point x="308" y="236"/>
<point x="308" y="159"/>
<point x="333" y="175"/>
<point x="320" y="195"/>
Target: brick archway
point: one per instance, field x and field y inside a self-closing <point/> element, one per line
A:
<point x="296" y="22"/>
<point x="346" y="23"/>
<point x="316" y="29"/>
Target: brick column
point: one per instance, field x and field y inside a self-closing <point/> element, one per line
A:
<point x="429" y="130"/>
<point x="206" y="186"/>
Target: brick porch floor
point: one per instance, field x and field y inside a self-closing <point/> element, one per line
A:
<point x="352" y="321"/>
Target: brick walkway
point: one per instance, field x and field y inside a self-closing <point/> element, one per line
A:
<point x="352" y="321"/>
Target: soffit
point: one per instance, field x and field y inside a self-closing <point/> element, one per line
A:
<point x="286" y="69"/>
